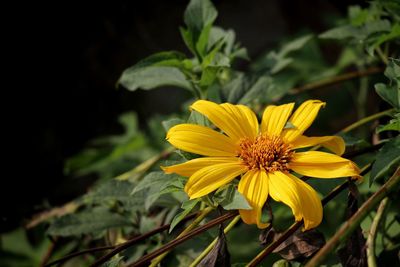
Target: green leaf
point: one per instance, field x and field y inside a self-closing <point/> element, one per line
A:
<point x="339" y="33"/>
<point x="198" y="118"/>
<point x="87" y="222"/>
<point x="236" y="88"/>
<point x="387" y="158"/>
<point x="199" y="13"/>
<point x="153" y="184"/>
<point x="168" y="124"/>
<point x="187" y="206"/>
<point x="294" y="45"/>
<point x="230" y="198"/>
<point x="256" y="90"/>
<point x="238" y="201"/>
<point x="393" y="125"/>
<point x="116" y="191"/>
<point x="199" y="17"/>
<point x="161" y="69"/>
<point x="393" y="34"/>
<point x="390" y="94"/>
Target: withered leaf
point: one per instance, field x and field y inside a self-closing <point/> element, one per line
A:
<point x="301" y="245"/>
<point x="353" y="254"/>
<point x="219" y="256"/>
<point x="298" y="246"/>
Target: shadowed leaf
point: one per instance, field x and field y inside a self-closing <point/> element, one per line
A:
<point x="219" y="255"/>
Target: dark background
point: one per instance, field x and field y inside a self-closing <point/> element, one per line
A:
<point x="65" y="58"/>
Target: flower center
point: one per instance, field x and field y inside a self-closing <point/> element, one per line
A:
<point x="265" y="153"/>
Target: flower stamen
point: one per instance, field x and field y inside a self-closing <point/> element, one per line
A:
<point x="267" y="153"/>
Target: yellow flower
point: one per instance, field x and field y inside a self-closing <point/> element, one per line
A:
<point x="261" y="157"/>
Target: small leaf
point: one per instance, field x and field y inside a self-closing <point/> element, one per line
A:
<point x="219" y="254"/>
<point x="187" y="206"/>
<point x="387" y="158"/>
<point x="230" y="198"/>
<point x="199" y="13"/>
<point x="199" y="17"/>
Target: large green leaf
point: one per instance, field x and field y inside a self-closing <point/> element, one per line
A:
<point x="87" y="222"/>
<point x="116" y="191"/>
<point x="161" y="69"/>
<point x="387" y="158"/>
<point x="153" y="186"/>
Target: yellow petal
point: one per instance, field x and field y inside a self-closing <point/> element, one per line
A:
<point x="298" y="195"/>
<point x="323" y="165"/>
<point x="210" y="178"/>
<point x="254" y="187"/>
<point x="275" y="118"/>
<point x="190" y="167"/>
<point x="201" y="140"/>
<point x="237" y="121"/>
<point x="333" y="143"/>
<point x="302" y="118"/>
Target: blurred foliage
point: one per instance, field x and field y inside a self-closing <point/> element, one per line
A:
<point x="132" y="195"/>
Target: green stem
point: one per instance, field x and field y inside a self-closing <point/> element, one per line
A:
<point x="139" y="170"/>
<point x="366" y="120"/>
<point x="336" y="79"/>
<point x="350" y="225"/>
<point x="212" y="244"/>
<point x="199" y="218"/>
<point x="382" y="55"/>
<point x="373" y="231"/>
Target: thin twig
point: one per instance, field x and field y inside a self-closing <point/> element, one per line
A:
<point x="361" y="151"/>
<point x="366" y="119"/>
<point x="146" y="259"/>
<point x="350" y="225"/>
<point x="78" y="253"/>
<point x="373" y="231"/>
<point x="336" y="79"/>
